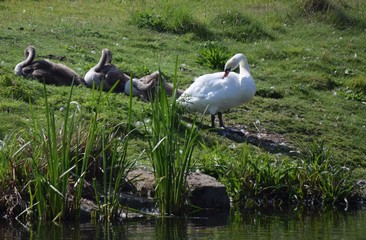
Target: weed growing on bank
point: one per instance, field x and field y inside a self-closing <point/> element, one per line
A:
<point x="312" y="179"/>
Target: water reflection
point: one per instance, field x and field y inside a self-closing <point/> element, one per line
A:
<point x="249" y="224"/>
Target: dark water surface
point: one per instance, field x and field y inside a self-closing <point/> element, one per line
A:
<point x="259" y="224"/>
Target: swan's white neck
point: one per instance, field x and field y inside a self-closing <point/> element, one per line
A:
<point x="243" y="64"/>
<point x="238" y="60"/>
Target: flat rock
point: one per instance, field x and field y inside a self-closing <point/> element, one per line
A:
<point x="206" y="192"/>
<point x="143" y="181"/>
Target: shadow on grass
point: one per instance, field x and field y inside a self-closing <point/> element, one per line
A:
<point x="270" y="143"/>
<point x="273" y="143"/>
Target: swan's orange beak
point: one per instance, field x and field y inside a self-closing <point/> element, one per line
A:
<point x="226" y="73"/>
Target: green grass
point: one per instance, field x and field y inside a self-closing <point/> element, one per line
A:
<point x="241" y="28"/>
<point x="308" y="63"/>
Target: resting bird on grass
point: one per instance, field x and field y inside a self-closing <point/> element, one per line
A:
<point x="217" y="92"/>
<point x="107" y="73"/>
<point x="46" y="71"/>
<point x="147" y="86"/>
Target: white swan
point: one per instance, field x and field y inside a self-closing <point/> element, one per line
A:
<point x="217" y="92"/>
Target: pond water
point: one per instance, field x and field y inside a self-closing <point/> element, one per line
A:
<point x="258" y="224"/>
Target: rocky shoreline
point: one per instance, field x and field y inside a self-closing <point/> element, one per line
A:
<point x="205" y="193"/>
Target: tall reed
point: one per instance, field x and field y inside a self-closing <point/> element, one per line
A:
<point x="51" y="164"/>
<point x="61" y="158"/>
<point x="115" y="167"/>
<point x="170" y="153"/>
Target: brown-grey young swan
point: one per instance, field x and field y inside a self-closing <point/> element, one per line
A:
<point x="217" y="92"/>
<point x="107" y="73"/>
<point x="147" y="86"/>
<point x="44" y="70"/>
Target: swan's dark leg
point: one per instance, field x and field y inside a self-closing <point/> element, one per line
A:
<point x="212" y="120"/>
<point x="220" y="119"/>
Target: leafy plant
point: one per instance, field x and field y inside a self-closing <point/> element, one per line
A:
<point x="213" y="56"/>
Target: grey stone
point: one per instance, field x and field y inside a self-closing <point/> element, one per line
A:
<point x="206" y="192"/>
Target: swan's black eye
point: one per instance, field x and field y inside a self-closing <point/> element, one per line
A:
<point x="228" y="70"/>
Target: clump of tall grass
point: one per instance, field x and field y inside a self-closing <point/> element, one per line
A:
<point x="11" y="175"/>
<point x="321" y="179"/>
<point x="54" y="161"/>
<point x="240" y="27"/>
<point x="258" y="180"/>
<point x="329" y="11"/>
<point x="358" y="83"/>
<point x="251" y="179"/>
<point x="169" y="19"/>
<point x="170" y="148"/>
<point x="213" y="56"/>
<point x="115" y="167"/>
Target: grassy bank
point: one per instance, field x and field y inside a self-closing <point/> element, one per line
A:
<point x="307" y="57"/>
